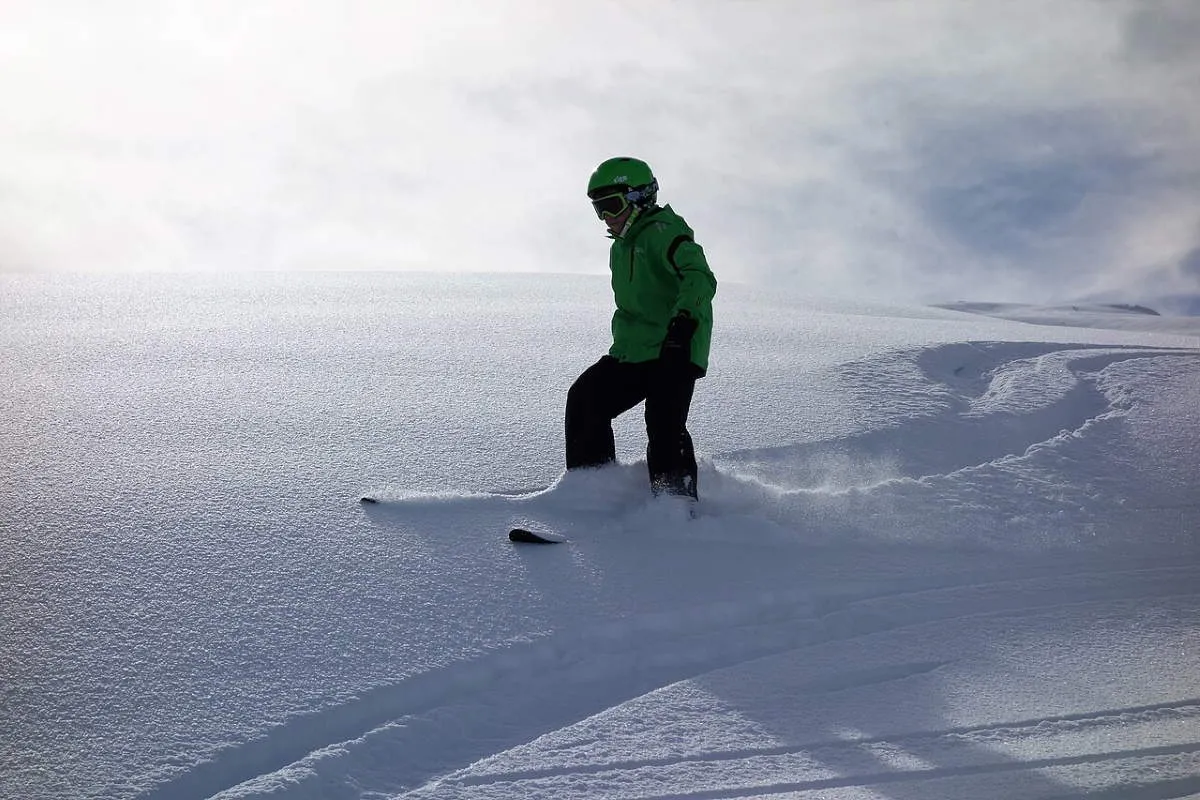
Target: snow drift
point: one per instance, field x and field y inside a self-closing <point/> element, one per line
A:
<point x="939" y="554"/>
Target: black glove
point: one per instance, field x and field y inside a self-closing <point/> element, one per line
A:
<point x="677" y="346"/>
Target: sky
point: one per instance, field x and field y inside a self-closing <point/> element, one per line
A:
<point x="928" y="150"/>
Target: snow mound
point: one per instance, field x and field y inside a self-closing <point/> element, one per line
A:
<point x="1014" y="310"/>
<point x="605" y="502"/>
<point x="1106" y="316"/>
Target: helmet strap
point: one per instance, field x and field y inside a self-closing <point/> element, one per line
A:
<point x="634" y="213"/>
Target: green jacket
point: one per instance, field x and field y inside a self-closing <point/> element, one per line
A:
<point x="658" y="270"/>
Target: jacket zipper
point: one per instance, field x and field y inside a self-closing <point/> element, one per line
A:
<point x="631" y="265"/>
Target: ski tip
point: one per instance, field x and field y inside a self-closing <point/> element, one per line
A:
<point x="525" y="536"/>
<point x="368" y="501"/>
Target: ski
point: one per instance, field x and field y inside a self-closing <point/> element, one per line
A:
<point x="525" y="536"/>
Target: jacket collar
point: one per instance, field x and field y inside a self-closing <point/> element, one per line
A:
<point x="638" y="224"/>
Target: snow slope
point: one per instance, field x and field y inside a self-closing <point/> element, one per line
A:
<point x="940" y="555"/>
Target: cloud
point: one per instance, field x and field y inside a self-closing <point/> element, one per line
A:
<point x="1175" y="287"/>
<point x="928" y="150"/>
<point x="1163" y="32"/>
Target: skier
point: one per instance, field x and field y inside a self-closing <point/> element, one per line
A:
<point x="661" y="331"/>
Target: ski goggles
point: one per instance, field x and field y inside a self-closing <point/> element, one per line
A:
<point x="616" y="199"/>
<point x="613" y="205"/>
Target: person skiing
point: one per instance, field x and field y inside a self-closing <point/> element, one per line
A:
<point x="661" y="331"/>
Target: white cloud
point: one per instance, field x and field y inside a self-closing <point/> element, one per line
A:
<point x="930" y="149"/>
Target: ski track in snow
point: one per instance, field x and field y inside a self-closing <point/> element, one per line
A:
<point x="997" y="400"/>
<point x="510" y="698"/>
<point x="956" y="751"/>
<point x="1002" y="403"/>
<point x="578" y="675"/>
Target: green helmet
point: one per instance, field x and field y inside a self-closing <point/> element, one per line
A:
<point x="623" y="172"/>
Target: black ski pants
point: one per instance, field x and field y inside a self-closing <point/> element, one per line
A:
<point x="608" y="389"/>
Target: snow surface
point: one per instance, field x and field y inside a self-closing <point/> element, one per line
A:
<point x="941" y="554"/>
